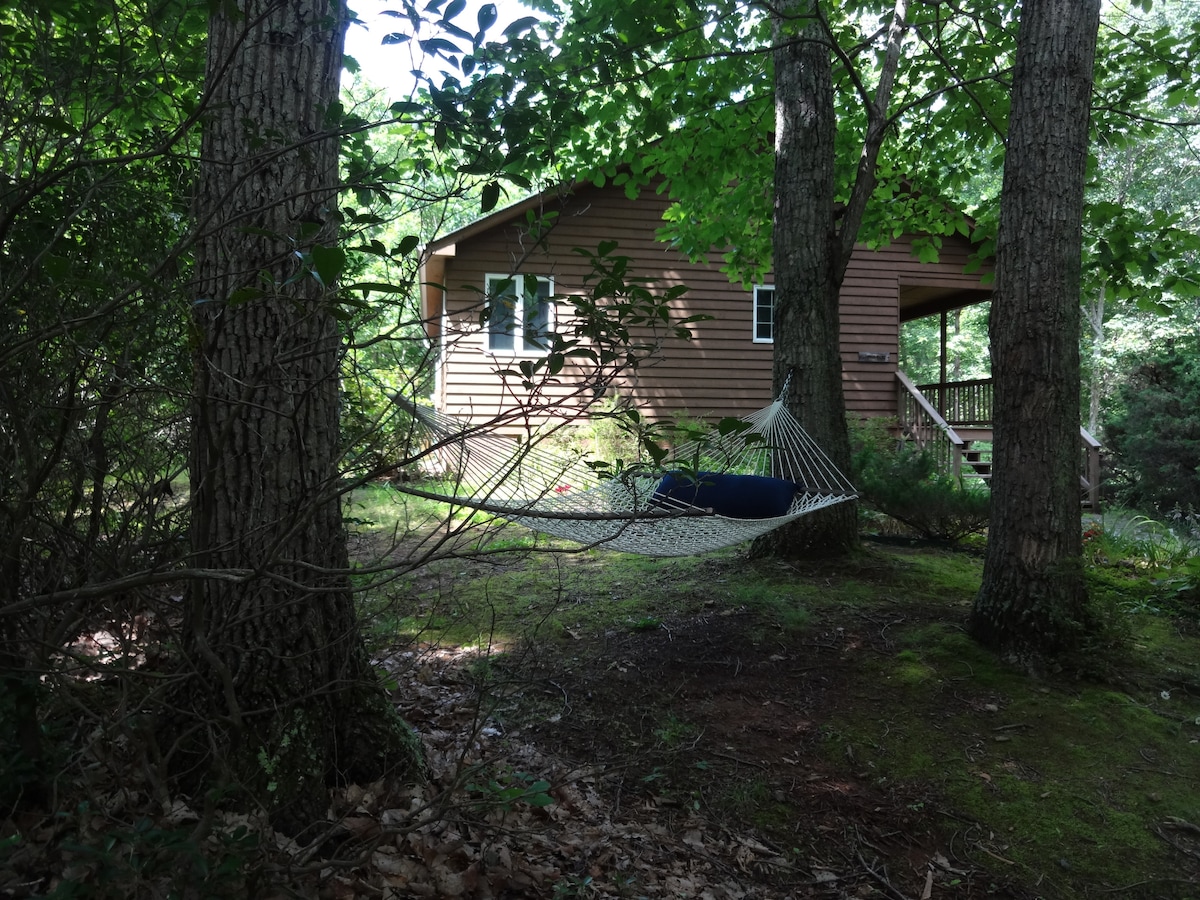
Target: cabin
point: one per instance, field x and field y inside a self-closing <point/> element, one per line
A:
<point x="487" y="339"/>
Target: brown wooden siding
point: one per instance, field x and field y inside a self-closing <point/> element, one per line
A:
<point x="721" y="372"/>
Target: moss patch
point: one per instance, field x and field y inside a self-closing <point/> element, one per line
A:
<point x="1070" y="779"/>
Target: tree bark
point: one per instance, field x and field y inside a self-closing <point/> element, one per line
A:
<point x="1032" y="604"/>
<point x="808" y="266"/>
<point x="284" y="690"/>
<point x="812" y="244"/>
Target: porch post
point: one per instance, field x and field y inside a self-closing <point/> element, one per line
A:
<point x="1094" y="478"/>
<point x="941" y="398"/>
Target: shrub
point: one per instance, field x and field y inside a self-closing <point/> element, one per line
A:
<point x="608" y="435"/>
<point x="1155" y="435"/>
<point x="902" y="481"/>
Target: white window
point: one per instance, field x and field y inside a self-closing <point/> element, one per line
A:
<point x="520" y="314"/>
<point x="764" y="314"/>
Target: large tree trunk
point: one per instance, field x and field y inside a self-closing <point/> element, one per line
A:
<point x="808" y="266"/>
<point x="1032" y="603"/>
<point x="284" y="688"/>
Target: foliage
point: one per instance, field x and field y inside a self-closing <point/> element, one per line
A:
<point x="505" y="791"/>
<point x="682" y="92"/>
<point x="1143" y="203"/>
<point x="142" y="858"/>
<point x="966" y="346"/>
<point x="903" y="481"/>
<point x="609" y="437"/>
<point x="91" y="386"/>
<point x="401" y="192"/>
<point x="94" y="370"/>
<point x="1145" y="565"/>
<point x="1183" y="587"/>
<point x="1141" y="241"/>
<point x="1155" y="436"/>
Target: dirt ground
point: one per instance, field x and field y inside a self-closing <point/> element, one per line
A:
<point x="751" y="760"/>
<point x="684" y="760"/>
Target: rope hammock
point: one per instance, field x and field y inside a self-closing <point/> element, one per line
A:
<point x="712" y="493"/>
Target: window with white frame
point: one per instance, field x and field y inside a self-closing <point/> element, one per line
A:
<point x="764" y="314"/>
<point x="520" y="314"/>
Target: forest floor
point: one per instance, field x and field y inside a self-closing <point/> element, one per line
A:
<point x="726" y="728"/>
<point x="602" y="725"/>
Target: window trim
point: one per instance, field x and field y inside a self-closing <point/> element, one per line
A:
<point x="755" y="322"/>
<point x="519" y="347"/>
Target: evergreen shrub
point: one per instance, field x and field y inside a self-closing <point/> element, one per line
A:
<point x="904" y="483"/>
<point x="1154" y="434"/>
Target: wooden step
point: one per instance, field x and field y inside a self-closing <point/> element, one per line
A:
<point x="971" y="433"/>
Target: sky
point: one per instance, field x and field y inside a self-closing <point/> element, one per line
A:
<point x="389" y="66"/>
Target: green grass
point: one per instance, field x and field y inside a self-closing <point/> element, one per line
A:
<point x="379" y="507"/>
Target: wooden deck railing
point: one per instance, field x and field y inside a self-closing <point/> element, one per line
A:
<point x="962" y="402"/>
<point x="930" y="413"/>
<point x="921" y="423"/>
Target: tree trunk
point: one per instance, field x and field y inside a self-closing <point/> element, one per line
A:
<point x="808" y="266"/>
<point x="1032" y="604"/>
<point x="285" y="693"/>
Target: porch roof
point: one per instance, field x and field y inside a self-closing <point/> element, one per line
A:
<point x="918" y="301"/>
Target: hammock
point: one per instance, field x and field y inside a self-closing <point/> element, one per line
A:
<point x="712" y="494"/>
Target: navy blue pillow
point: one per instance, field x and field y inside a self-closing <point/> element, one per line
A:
<point x="735" y="496"/>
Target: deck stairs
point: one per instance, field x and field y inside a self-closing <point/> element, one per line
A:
<point x="953" y="421"/>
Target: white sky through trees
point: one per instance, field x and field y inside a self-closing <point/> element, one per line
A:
<point x="390" y="66"/>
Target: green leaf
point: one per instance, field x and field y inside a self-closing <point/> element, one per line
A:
<point x="328" y="263"/>
<point x="523" y="24"/>
<point x="56" y="267"/>
<point x="730" y="425"/>
<point x="439" y="47"/>
<point x="486" y="18"/>
<point x="244" y="295"/>
<point x="491" y="196"/>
